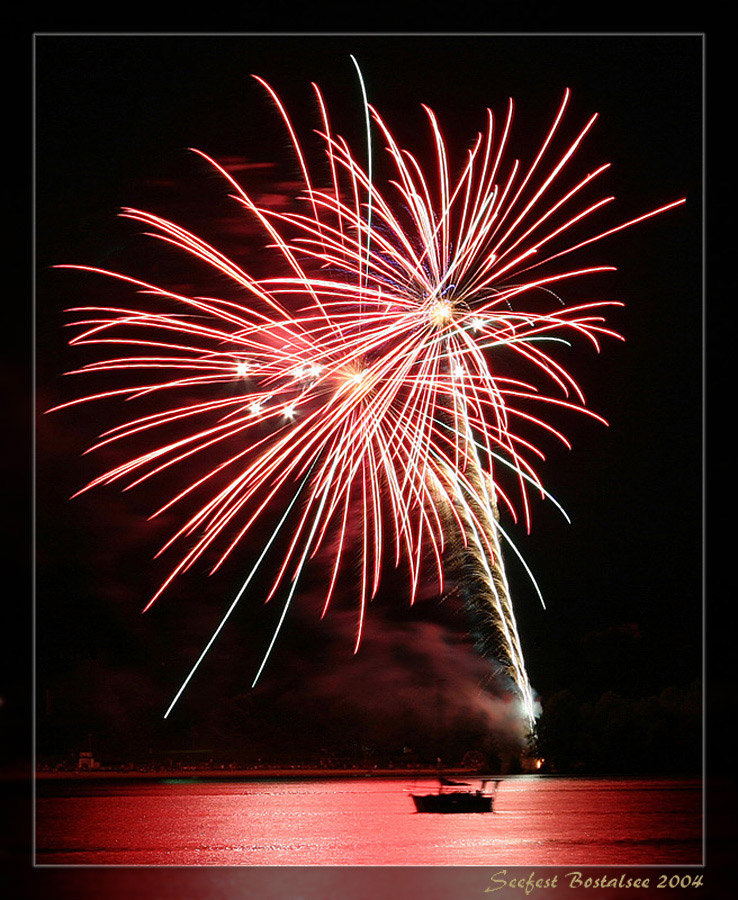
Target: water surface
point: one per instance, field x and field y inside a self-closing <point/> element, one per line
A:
<point x="538" y="820"/>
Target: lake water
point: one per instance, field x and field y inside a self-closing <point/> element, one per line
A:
<point x="538" y="821"/>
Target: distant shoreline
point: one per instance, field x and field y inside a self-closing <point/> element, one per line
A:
<point x="247" y="774"/>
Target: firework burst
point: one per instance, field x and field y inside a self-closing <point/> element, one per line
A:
<point x="378" y="388"/>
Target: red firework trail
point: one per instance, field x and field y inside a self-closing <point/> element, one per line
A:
<point x="362" y="377"/>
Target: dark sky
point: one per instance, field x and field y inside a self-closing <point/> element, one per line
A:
<point x="114" y="119"/>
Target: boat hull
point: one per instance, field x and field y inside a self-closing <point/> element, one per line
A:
<point x="459" y="802"/>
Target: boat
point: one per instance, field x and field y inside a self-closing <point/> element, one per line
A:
<point x="457" y="797"/>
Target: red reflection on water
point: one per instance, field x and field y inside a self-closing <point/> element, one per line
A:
<point x="538" y="821"/>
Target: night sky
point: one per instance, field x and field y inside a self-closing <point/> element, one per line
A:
<point x="623" y="582"/>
